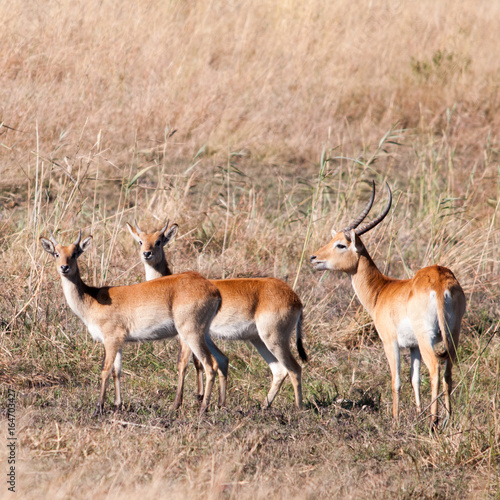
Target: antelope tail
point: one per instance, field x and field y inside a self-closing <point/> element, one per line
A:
<point x="449" y="352"/>
<point x="300" y="346"/>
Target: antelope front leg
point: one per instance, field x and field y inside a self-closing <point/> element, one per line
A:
<point x="111" y="350"/>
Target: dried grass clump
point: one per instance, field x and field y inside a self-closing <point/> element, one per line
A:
<point x="269" y="77"/>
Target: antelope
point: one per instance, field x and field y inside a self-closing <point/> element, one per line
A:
<point x="414" y="313"/>
<point x="157" y="267"/>
<point x="262" y="311"/>
<point x="183" y="304"/>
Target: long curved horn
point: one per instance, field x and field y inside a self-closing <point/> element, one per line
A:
<point x="53" y="239"/>
<point x="162" y="231"/>
<point x="137" y="228"/>
<point x="370" y="225"/>
<point x="356" y="222"/>
<point x="77" y="241"/>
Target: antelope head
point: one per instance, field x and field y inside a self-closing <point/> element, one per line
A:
<point x="342" y="253"/>
<point x="152" y="243"/>
<point x="66" y="256"/>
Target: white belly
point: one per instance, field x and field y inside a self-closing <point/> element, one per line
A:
<point x="157" y="331"/>
<point x="238" y="330"/>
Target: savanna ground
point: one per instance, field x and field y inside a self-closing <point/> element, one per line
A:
<point x="253" y="126"/>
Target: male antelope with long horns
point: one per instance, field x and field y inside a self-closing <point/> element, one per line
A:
<point x="416" y="313"/>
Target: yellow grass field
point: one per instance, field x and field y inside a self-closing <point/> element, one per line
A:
<point x="254" y="126"/>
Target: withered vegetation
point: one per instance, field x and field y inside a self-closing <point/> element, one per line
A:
<point x="253" y="126"/>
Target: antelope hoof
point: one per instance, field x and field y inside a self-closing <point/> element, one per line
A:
<point x="434" y="426"/>
<point x="99" y="409"/>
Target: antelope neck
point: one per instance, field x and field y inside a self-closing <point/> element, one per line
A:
<point x="157" y="270"/>
<point x="368" y="282"/>
<point x="77" y="294"/>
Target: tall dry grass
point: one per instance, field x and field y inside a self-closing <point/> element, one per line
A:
<point x="253" y="126"/>
<point x="270" y="77"/>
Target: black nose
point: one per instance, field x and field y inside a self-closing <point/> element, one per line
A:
<point x="147" y="255"/>
<point x="64" y="269"/>
<point x="312" y="257"/>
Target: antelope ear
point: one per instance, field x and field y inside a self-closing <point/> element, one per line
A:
<point x="356" y="242"/>
<point x="85" y="244"/>
<point x="133" y="232"/>
<point x="170" y="233"/>
<point x="333" y="233"/>
<point x="48" y="246"/>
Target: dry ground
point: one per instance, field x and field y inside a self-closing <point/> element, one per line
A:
<point x="253" y="126"/>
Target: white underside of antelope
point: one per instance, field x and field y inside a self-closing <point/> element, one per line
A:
<point x="236" y="330"/>
<point x="153" y="332"/>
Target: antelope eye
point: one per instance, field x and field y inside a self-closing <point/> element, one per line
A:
<point x="158" y="243"/>
<point x="341" y="246"/>
<point x="73" y="256"/>
<point x="56" y="255"/>
<point x="140" y="242"/>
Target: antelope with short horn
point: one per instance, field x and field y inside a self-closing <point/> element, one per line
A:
<point x="183" y="305"/>
<point x="262" y="311"/>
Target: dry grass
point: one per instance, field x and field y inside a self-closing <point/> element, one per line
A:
<point x="270" y="77"/>
<point x="90" y="96"/>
